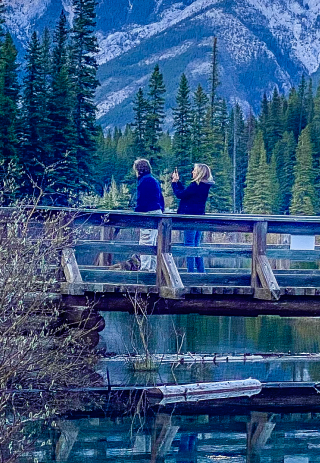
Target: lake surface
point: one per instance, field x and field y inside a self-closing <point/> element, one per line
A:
<point x="254" y="437"/>
<point x="201" y="334"/>
<point x="232" y="434"/>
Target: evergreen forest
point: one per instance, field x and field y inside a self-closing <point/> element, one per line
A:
<point x="51" y="146"/>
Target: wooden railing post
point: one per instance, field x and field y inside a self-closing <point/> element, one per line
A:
<point x="169" y="283"/>
<point x="263" y="281"/>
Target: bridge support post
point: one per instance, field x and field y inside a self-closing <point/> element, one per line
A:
<point x="263" y="281"/>
<point x="169" y="282"/>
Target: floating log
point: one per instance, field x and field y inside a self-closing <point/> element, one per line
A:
<point x="207" y="391"/>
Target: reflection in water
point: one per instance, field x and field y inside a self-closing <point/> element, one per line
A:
<point x="207" y="334"/>
<point x="221" y="335"/>
<point x="256" y="437"/>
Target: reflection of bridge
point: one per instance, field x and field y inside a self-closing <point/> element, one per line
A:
<point x="253" y="437"/>
<point x="251" y="284"/>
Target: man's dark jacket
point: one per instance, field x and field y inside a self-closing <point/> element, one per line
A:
<point x="193" y="198"/>
<point x="149" y="196"/>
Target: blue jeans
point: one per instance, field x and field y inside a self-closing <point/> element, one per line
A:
<point x="193" y="238"/>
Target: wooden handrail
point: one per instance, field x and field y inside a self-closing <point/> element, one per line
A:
<point x="168" y="281"/>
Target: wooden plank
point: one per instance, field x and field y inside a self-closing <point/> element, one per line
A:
<point x="70" y="266"/>
<point x="101" y="275"/>
<point x="266" y="276"/>
<point x="112" y="247"/>
<point x="212" y="251"/>
<point x="215" y="279"/>
<point x="163" y="246"/>
<point x="171" y="276"/>
<point x="262" y="277"/>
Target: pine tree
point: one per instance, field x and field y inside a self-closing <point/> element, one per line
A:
<point x="216" y="156"/>
<point x="274" y="124"/>
<point x="62" y="127"/>
<point x="292" y="117"/>
<point x="214" y="78"/>
<point x="84" y="49"/>
<point x="238" y="153"/>
<point x="9" y="114"/>
<point x="303" y="192"/>
<point x="155" y="115"/>
<point x="33" y="157"/>
<point x="258" y="192"/>
<point x="44" y="124"/>
<point x="284" y="157"/>
<point x="140" y="108"/>
<point x="182" y="125"/>
<point x="199" y="111"/>
<point x="315" y="139"/>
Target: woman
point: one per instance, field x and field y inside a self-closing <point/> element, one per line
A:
<point x="193" y="202"/>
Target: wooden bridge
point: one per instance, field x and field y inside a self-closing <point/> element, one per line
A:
<point x="255" y="276"/>
<point x="250" y="285"/>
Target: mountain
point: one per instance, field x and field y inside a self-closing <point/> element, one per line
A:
<point x="261" y="44"/>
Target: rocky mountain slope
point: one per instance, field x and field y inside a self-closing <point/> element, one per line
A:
<point x="261" y="44"/>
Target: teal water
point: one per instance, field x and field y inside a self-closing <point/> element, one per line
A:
<point x="253" y="437"/>
<point x="231" y="434"/>
<point x="209" y="335"/>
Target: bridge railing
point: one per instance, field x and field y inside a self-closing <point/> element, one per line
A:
<point x="261" y="280"/>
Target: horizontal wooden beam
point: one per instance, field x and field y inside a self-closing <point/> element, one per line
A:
<point x="114" y="247"/>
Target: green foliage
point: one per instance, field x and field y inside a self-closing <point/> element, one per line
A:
<point x="9" y="112"/>
<point x="198" y="134"/>
<point x="140" y="108"/>
<point x="284" y="158"/>
<point x="182" y="124"/>
<point x="303" y="192"/>
<point x="258" y="192"/>
<point x="114" y="197"/>
<point x="84" y="68"/>
<point x="155" y="115"/>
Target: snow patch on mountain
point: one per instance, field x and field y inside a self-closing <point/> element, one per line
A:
<point x="168" y="54"/>
<point x="122" y="41"/>
<point x="67" y="6"/>
<point x="115" y="98"/>
<point x="21" y="14"/>
<point x="289" y="21"/>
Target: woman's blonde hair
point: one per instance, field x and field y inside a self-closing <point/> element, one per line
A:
<point x="202" y="173"/>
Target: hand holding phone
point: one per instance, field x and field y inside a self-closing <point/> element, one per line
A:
<point x="175" y="175"/>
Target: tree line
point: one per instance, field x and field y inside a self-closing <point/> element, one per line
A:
<point x="48" y="127"/>
<point x="50" y="140"/>
<point x="265" y="164"/>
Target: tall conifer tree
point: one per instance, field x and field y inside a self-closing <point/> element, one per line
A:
<point x="84" y="49"/>
<point x="61" y="107"/>
<point x="9" y="112"/>
<point x="155" y="116"/>
<point x="182" y="125"/>
<point x="199" y="111"/>
<point x="33" y="157"/>
<point x="303" y="191"/>
<point x="284" y="156"/>
<point x="140" y="108"/>
<point x="258" y="195"/>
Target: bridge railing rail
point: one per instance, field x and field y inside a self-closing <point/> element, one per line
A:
<point x="168" y="281"/>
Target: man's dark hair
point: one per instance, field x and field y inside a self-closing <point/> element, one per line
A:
<point x="142" y="167"/>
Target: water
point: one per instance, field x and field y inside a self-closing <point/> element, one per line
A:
<point x="248" y="437"/>
<point x="208" y="335"/>
<point x="241" y="432"/>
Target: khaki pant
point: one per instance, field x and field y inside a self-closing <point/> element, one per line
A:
<point x="148" y="237"/>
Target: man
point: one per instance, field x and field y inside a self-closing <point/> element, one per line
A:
<point x="149" y="199"/>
